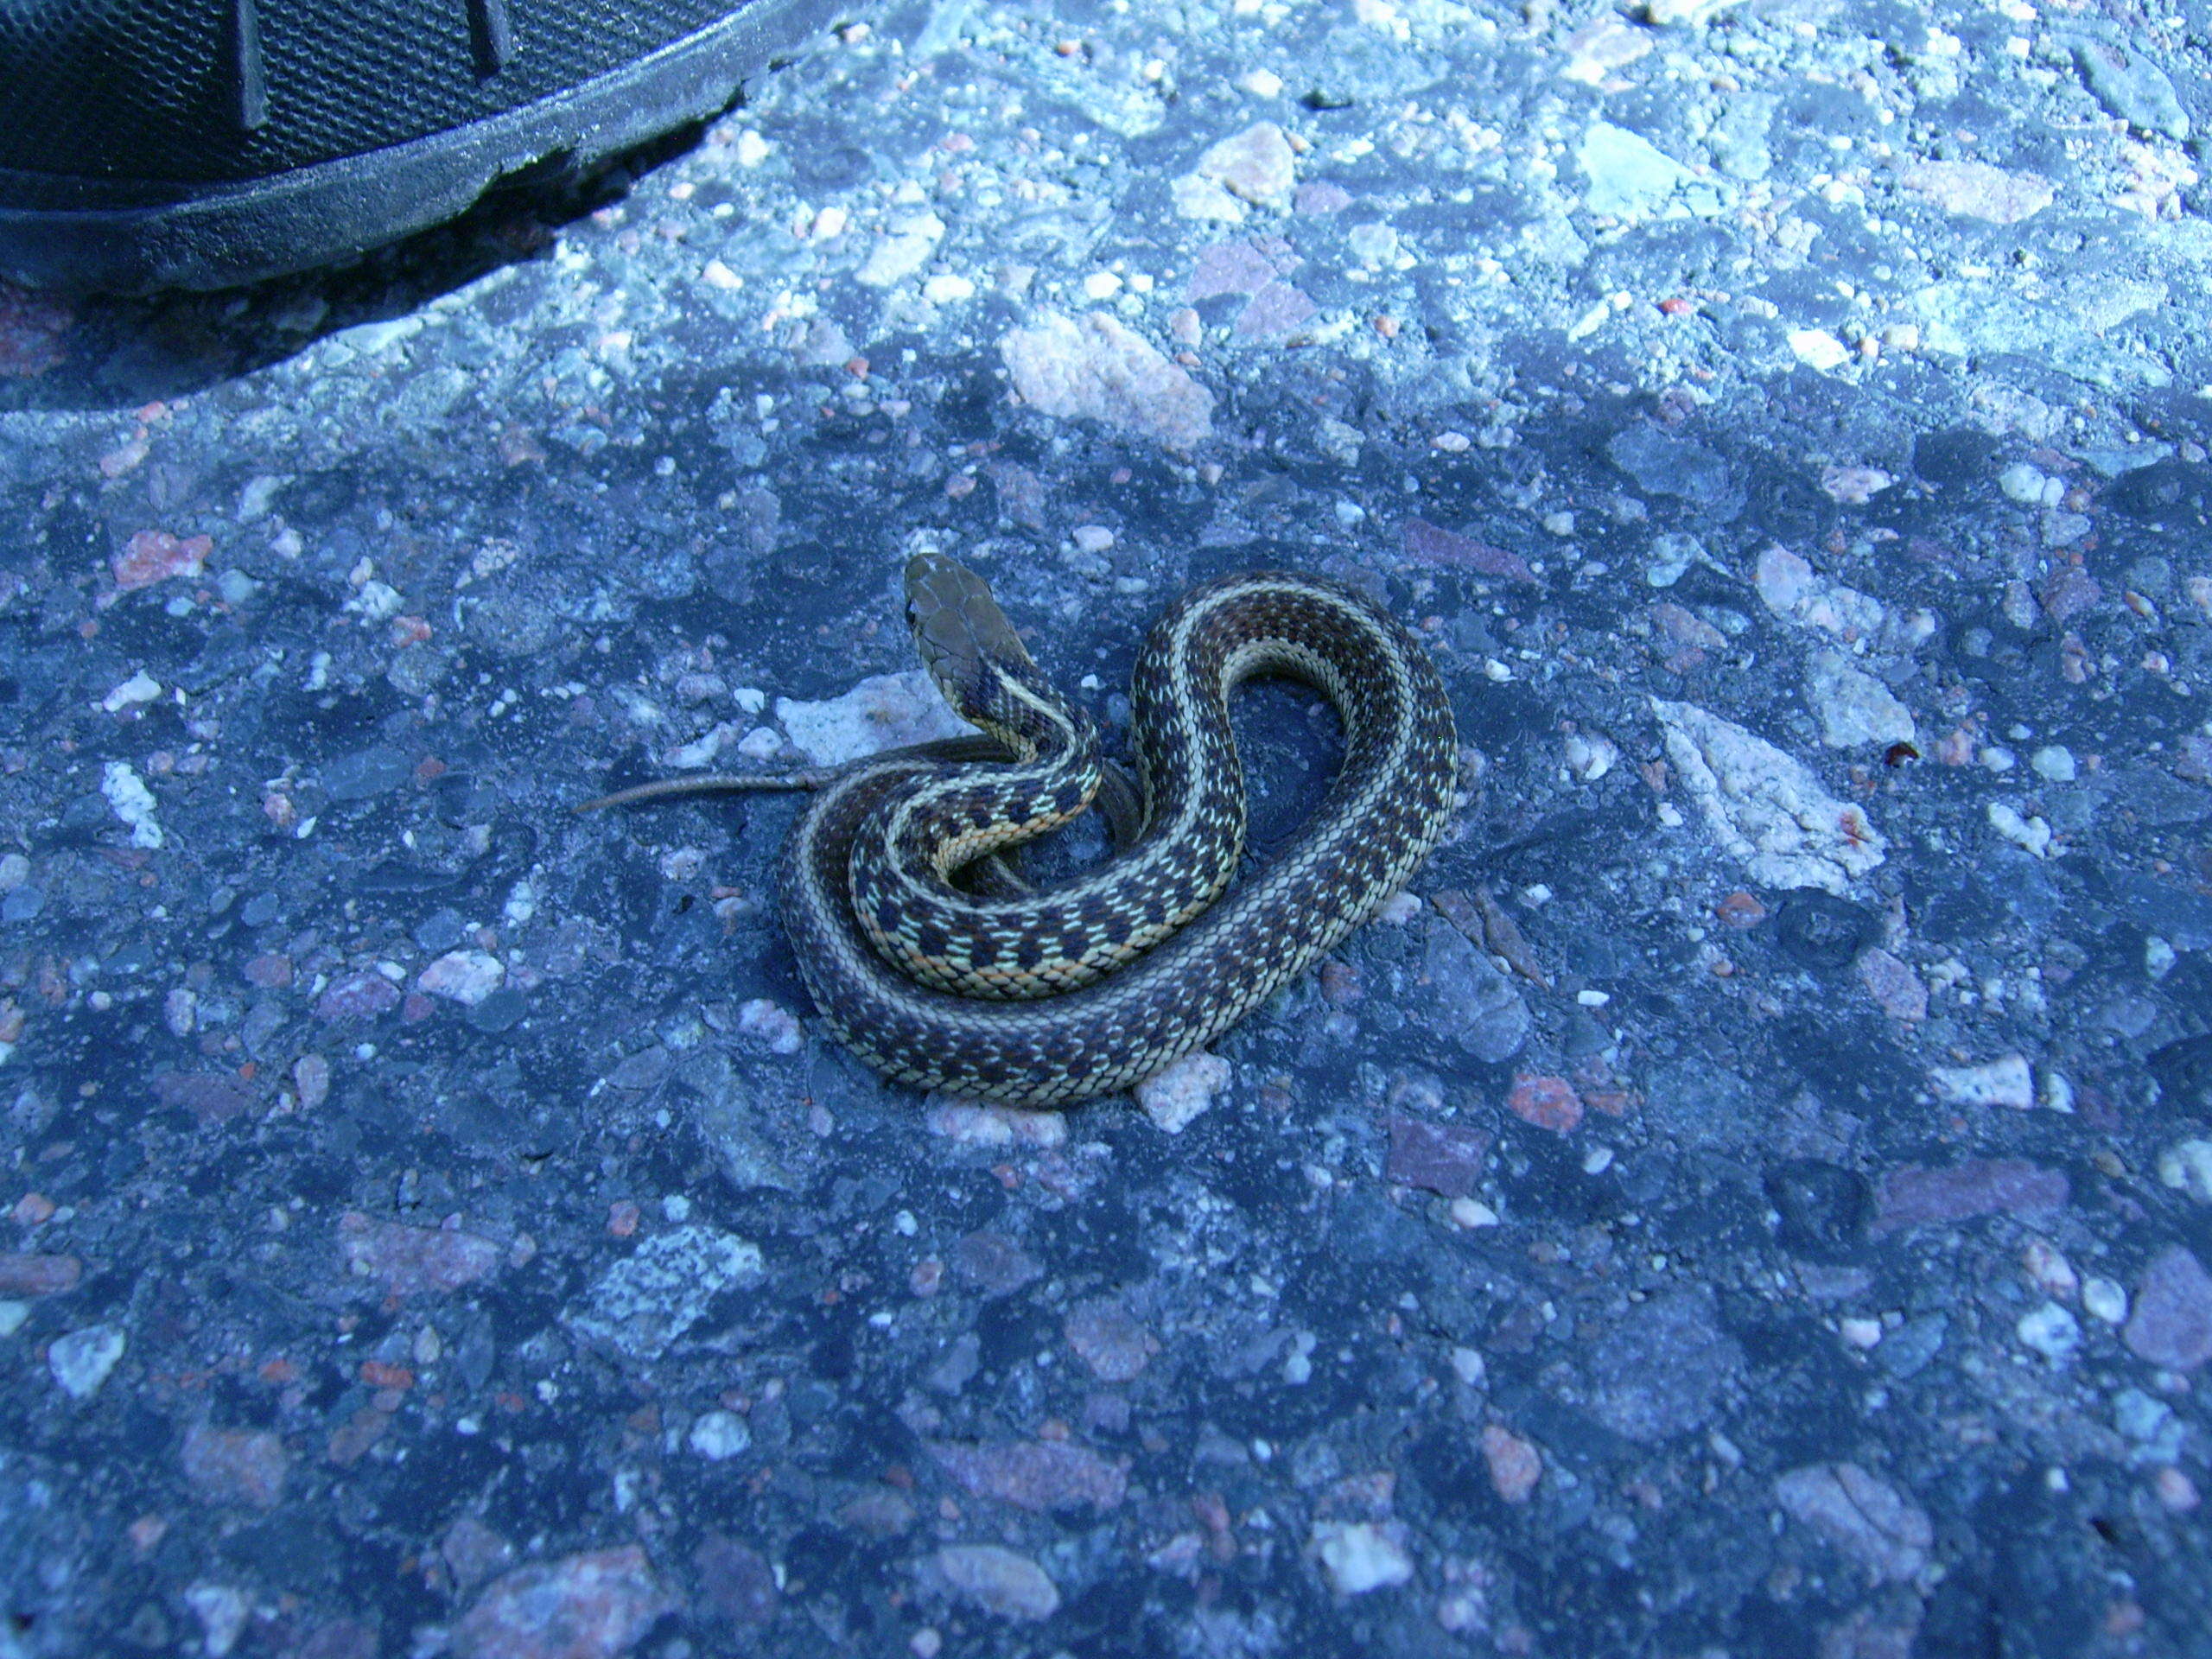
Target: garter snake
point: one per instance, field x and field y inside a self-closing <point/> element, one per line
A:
<point x="1045" y="999"/>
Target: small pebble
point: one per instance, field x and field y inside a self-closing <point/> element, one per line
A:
<point x="1359" y="1556"/>
<point x="2104" y="1299"/>
<point x="1173" y="1098"/>
<point x="83" y="1360"/>
<point x="718" y="1436"/>
<point x="2055" y="763"/>
<point x="2187" y="1167"/>
<point x="2051" y="1330"/>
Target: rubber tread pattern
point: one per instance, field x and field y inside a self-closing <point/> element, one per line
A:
<point x="131" y="90"/>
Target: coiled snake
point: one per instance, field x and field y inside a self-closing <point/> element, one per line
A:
<point x="1045" y="999"/>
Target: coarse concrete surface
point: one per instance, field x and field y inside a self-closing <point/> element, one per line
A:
<point x="1753" y="1197"/>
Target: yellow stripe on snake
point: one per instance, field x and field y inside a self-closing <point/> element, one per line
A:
<point x="1043" y="999"/>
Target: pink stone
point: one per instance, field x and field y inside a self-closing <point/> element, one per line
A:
<point x="1321" y="197"/>
<point x="236" y="1466"/>
<point x="1912" y="1196"/>
<point x="594" y="1606"/>
<point x="413" y="1260"/>
<point x="1433" y="545"/>
<point x="1865" y="1517"/>
<point x="1277" y="309"/>
<point x="2171" y="1325"/>
<point x="1515" y="1466"/>
<point x="1243" y="266"/>
<point x="30" y="329"/>
<point x="1687" y="628"/>
<point x="1109" y="1340"/>
<point x="1547" y="1102"/>
<point x="1446" y="1159"/>
<point x="1040" y="1476"/>
<point x="357" y="996"/>
<point x="1257" y="164"/>
<point x="1893" y="985"/>
<point x="38" y="1276"/>
<point x="1100" y="370"/>
<point x="271" y="973"/>
<point x="2068" y="591"/>
<point x="154" y="555"/>
<point x="210" y="1097"/>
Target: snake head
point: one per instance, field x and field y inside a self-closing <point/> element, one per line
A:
<point x="959" y="630"/>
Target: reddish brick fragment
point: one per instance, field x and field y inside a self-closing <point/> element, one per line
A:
<point x="357" y="996"/>
<point x="209" y="1096"/>
<point x="1446" y="1159"/>
<point x="1040" y="1476"/>
<point x="413" y="1260"/>
<point x="31" y="326"/>
<point x="1913" y="1196"/>
<point x="1433" y="545"/>
<point x="2171" y="1325"/>
<point x="594" y="1606"/>
<point x="1547" y="1102"/>
<point x="236" y="1466"/>
<point x="1515" y="1466"/>
<point x="38" y="1276"/>
<point x="154" y="555"/>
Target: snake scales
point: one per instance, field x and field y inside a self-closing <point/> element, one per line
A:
<point x="1045" y="999"/>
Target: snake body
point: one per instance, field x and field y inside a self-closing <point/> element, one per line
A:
<point x="1091" y="987"/>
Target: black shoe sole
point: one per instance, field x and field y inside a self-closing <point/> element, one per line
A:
<point x="225" y="236"/>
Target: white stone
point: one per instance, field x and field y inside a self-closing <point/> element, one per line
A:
<point x="885" y="711"/>
<point x="463" y="976"/>
<point x="2051" y="1330"/>
<point x="1472" y="1213"/>
<point x="135" y="692"/>
<point x="1765" y="808"/>
<point x="1816" y="348"/>
<point x="2104" y="1299"/>
<point x="1358" y="1556"/>
<point x="2030" y="835"/>
<point x="901" y="253"/>
<point x="947" y="290"/>
<point x="1590" y="755"/>
<point x="701" y="751"/>
<point x="1790" y="587"/>
<point x="2022" y="483"/>
<point x="2187" y="1167"/>
<point x="771" y="1023"/>
<point x="132" y="801"/>
<point x="82" y="1360"/>
<point x="2005" y="1081"/>
<point x="1173" y="1096"/>
<point x="2053" y="761"/>
<point x="1856" y="709"/>
<point x="1205" y="200"/>
<point x="720" y="1435"/>
<point x="976" y="1123"/>
<point x="222" y="1612"/>
<point x="1467" y="1365"/>
<point x="660" y="1290"/>
<point x="998" y="1581"/>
